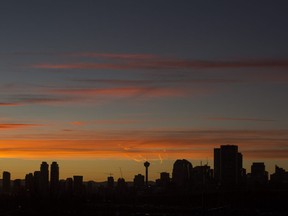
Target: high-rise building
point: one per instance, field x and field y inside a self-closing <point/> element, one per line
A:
<point x="139" y="180"/>
<point x="44" y="178"/>
<point x="227" y="165"/>
<point x="165" y="178"/>
<point x="29" y="184"/>
<point x="259" y="175"/>
<point x="182" y="172"/>
<point x="202" y="175"/>
<point x="280" y="177"/>
<point x="6" y="182"/>
<point x="77" y="185"/>
<point x="217" y="164"/>
<point x="37" y="182"/>
<point x="17" y="186"/>
<point x="69" y="186"/>
<point x="54" y="177"/>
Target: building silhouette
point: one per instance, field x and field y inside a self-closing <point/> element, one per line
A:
<point x="69" y="186"/>
<point x="29" y="184"/>
<point x="6" y="182"/>
<point x="138" y="181"/>
<point x="280" y="177"/>
<point x="77" y="185"/>
<point x="17" y="186"/>
<point x="164" y="178"/>
<point x="258" y="176"/>
<point x="44" y="178"/>
<point x="54" y="177"/>
<point x="146" y="164"/>
<point x="37" y="182"/>
<point x="121" y="185"/>
<point x="110" y="182"/>
<point x="182" y="173"/>
<point x="202" y="175"/>
<point x="228" y="165"/>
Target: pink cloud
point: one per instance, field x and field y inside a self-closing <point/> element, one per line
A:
<point x="126" y="56"/>
<point x="125" y="91"/>
<point x="11" y="104"/>
<point x="170" y="64"/>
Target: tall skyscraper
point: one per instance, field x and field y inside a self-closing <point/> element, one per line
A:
<point x="54" y="177"/>
<point x="182" y="173"/>
<point x="6" y="182"/>
<point x="44" y="178"/>
<point x="37" y="182"/>
<point x="29" y="184"/>
<point x="227" y="165"/>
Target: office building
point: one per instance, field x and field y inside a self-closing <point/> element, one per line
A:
<point x="228" y="165"/>
<point x="182" y="173"/>
<point x="54" y="177"/>
<point x="6" y="182"/>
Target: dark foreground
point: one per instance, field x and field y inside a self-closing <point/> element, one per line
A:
<point x="266" y="202"/>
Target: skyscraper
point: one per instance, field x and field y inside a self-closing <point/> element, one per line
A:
<point x="139" y="180"/>
<point x="6" y="182"/>
<point x="259" y="176"/>
<point x="44" y="178"/>
<point x="227" y="165"/>
<point x="182" y="172"/>
<point x="54" y="177"/>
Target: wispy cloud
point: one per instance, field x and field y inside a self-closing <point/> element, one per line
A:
<point x="10" y="104"/>
<point x="196" y="144"/>
<point x="157" y="81"/>
<point x="16" y="125"/>
<point x="126" y="56"/>
<point x="240" y="119"/>
<point x="169" y="64"/>
<point x="127" y="91"/>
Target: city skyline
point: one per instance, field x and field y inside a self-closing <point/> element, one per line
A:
<point x="226" y="157"/>
<point x="98" y="86"/>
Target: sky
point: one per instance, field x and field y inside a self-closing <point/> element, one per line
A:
<point x="102" y="86"/>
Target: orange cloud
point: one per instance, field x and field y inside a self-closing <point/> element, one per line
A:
<point x="196" y="144"/>
<point x="78" y="123"/>
<point x="17" y="126"/>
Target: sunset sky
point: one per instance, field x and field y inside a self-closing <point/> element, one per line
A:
<point x="101" y="86"/>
